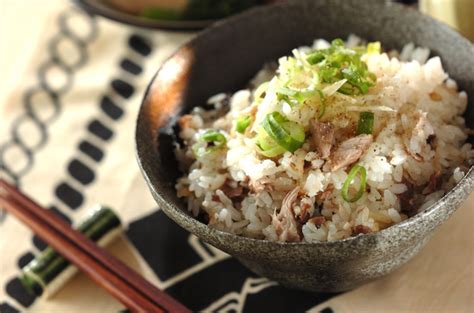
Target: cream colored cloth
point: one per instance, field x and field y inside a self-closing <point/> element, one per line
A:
<point x="440" y="279"/>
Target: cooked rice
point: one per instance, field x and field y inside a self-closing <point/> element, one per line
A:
<point x="414" y="103"/>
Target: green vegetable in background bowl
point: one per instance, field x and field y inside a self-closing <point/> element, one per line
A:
<point x="184" y="9"/>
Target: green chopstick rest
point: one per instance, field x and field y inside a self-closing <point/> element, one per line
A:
<point x="48" y="272"/>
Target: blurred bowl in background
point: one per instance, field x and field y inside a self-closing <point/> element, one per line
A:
<point x="167" y="14"/>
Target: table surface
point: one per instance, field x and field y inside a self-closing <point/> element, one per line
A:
<point x="68" y="102"/>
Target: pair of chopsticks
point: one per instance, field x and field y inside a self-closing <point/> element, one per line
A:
<point x="126" y="285"/>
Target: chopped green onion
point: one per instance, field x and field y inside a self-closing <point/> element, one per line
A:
<point x="315" y="58"/>
<point x="328" y="74"/>
<point x="355" y="77"/>
<point x="286" y="134"/>
<point x="285" y="98"/>
<point x="208" y="142"/>
<point x="302" y="96"/>
<point x="366" y="123"/>
<point x="338" y="42"/>
<point x="242" y="123"/>
<point x="374" y="47"/>
<point x="347" y="89"/>
<point x="267" y="146"/>
<point x="272" y="152"/>
<point x="264" y="142"/>
<point x="286" y="94"/>
<point x="337" y="62"/>
<point x="215" y="137"/>
<point x="286" y="91"/>
<point x="350" y="177"/>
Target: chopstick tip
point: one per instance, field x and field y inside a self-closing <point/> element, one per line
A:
<point x="3" y="183"/>
<point x="4" y="187"/>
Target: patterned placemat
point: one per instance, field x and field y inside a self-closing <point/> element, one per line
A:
<point x="72" y="86"/>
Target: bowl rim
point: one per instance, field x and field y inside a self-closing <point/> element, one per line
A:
<point x="175" y="212"/>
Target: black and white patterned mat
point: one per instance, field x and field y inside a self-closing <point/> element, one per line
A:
<point x="199" y="276"/>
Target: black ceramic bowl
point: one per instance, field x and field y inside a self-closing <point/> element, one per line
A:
<point x="224" y="58"/>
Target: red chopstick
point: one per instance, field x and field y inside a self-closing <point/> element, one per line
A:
<point x="126" y="285"/>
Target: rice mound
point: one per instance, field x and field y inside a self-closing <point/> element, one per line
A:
<point x="417" y="153"/>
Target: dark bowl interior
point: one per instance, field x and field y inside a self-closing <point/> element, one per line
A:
<point x="226" y="56"/>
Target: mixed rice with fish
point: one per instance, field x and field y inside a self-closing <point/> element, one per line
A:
<point x="336" y="140"/>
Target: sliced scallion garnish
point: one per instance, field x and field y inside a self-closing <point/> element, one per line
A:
<point x="315" y="57"/>
<point x="286" y="94"/>
<point x="337" y="62"/>
<point x="302" y="96"/>
<point x="347" y="183"/>
<point x="242" y="123"/>
<point x="338" y="42"/>
<point x="267" y="146"/>
<point x="366" y="123"/>
<point x="286" y="91"/>
<point x="286" y="134"/>
<point x="208" y="142"/>
<point x="213" y="136"/>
